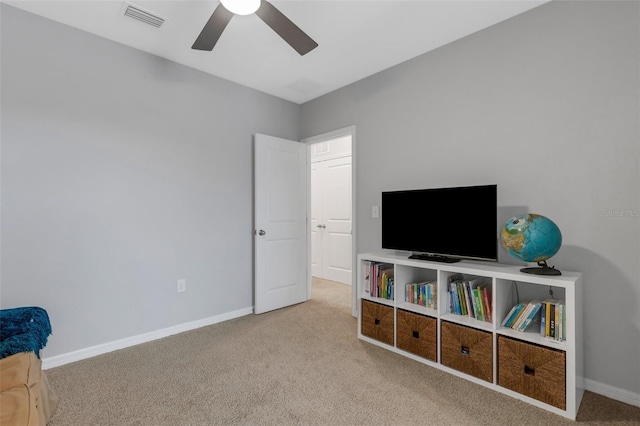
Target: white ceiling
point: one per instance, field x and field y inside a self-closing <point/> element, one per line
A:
<point x="356" y="38"/>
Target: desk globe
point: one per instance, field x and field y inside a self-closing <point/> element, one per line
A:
<point x="532" y="238"/>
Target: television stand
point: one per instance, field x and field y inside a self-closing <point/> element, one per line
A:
<point x="433" y="258"/>
<point x="526" y="365"/>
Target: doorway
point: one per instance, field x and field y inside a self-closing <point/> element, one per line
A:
<point x="331" y="224"/>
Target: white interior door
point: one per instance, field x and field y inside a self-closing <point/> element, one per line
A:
<point x="316" y="222"/>
<point x="280" y="203"/>
<point x="337" y="221"/>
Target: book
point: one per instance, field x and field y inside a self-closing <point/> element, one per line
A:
<point x="560" y="312"/>
<point x="519" y="315"/>
<point x="547" y="324"/>
<point x="478" y="301"/>
<point x="523" y="314"/>
<point x="557" y="321"/>
<point x="366" y="279"/>
<point x="381" y="280"/>
<point x="372" y="279"/>
<point x="533" y="311"/>
<point x="517" y="309"/>
<point x="463" y="301"/>
<point x="486" y="299"/>
<point x="563" y="322"/>
<point x="384" y="277"/>
<point x="509" y="315"/>
<point x="432" y="295"/>
<point x="549" y="315"/>
<point x="453" y="290"/>
<point x="467" y="296"/>
<point x="452" y="301"/>
<point x="482" y="304"/>
<point x="388" y="282"/>
<point x="422" y="294"/>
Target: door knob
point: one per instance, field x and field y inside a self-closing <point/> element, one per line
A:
<point x="261" y="232"/>
<point x="322" y="226"/>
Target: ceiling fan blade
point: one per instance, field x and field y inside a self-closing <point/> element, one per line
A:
<point x="286" y="29"/>
<point x="213" y="29"/>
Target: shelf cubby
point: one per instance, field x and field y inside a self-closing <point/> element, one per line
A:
<point x="405" y="275"/>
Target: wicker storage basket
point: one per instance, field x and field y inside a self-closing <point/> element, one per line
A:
<point x="377" y="321"/>
<point x="532" y="370"/>
<point x="417" y="334"/>
<point x="468" y="350"/>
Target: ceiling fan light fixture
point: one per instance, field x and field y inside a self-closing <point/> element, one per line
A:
<point x="241" y="7"/>
<point x="276" y="20"/>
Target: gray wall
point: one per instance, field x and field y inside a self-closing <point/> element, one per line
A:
<point x="121" y="173"/>
<point x="546" y="106"/>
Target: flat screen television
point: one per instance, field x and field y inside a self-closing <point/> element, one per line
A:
<point x="442" y="224"/>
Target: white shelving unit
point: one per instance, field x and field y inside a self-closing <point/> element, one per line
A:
<point x="502" y="279"/>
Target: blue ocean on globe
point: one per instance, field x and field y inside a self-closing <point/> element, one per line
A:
<point x="531" y="237"/>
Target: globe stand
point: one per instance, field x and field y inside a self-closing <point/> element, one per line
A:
<point x="542" y="269"/>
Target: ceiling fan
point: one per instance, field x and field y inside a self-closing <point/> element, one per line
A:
<point x="279" y="23"/>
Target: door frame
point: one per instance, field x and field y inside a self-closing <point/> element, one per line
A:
<point x="349" y="130"/>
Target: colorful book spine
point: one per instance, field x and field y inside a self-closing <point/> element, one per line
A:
<point x="514" y="315"/>
<point x="379" y="280"/>
<point x="455" y="299"/>
<point x="533" y="311"/>
<point x="478" y="301"/>
<point x="468" y="299"/>
<point x="486" y="299"/>
<point x="552" y="321"/>
<point x="433" y="299"/>
<point x="557" y="322"/>
<point x="547" y="324"/>
<point x="463" y="302"/>
<point x="563" y="322"/>
<point x="366" y="279"/>
<point x="523" y="314"/>
<point x="422" y="294"/>
<point x="508" y="316"/>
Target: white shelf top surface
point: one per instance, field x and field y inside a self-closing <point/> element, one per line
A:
<point x="499" y="270"/>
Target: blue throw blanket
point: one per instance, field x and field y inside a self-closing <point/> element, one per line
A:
<point x="23" y="330"/>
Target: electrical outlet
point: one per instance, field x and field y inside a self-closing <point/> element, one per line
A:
<point x="182" y="285"/>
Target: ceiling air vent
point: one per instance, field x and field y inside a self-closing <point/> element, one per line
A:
<point x="142" y="15"/>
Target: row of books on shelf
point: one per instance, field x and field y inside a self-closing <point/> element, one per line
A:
<point x="378" y="279"/>
<point x="423" y="294"/>
<point x="470" y="297"/>
<point x="549" y="315"/>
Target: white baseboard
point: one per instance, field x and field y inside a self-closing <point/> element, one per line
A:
<point x="618" y="394"/>
<point x="104" y="348"/>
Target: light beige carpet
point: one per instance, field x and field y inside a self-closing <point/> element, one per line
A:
<point x="301" y="365"/>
